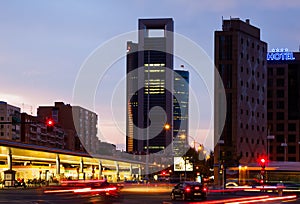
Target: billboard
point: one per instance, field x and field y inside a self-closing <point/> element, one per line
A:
<point x="182" y="164"/>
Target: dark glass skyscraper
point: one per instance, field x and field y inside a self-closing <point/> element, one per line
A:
<point x="149" y="87"/>
<point x="180" y="111"/>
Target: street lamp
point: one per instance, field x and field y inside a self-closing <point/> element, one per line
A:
<point x="221" y="166"/>
<point x="200" y="148"/>
<point x="285" y="146"/>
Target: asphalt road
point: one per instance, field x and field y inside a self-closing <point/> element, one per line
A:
<point x="36" y="196"/>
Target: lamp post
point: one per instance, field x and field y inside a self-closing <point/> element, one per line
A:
<point x="285" y="147"/>
<point x="183" y="136"/>
<point x="220" y="142"/>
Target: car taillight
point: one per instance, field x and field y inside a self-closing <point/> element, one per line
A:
<point x="204" y="189"/>
<point x="197" y="188"/>
<point x="187" y="189"/>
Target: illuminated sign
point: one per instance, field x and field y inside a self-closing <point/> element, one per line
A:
<point x="182" y="164"/>
<point x="280" y="54"/>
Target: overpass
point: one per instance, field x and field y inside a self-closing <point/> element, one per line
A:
<point x="44" y="163"/>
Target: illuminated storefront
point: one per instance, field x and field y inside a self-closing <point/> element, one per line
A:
<point x="49" y="165"/>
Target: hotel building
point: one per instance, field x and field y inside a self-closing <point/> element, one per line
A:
<point x="240" y="58"/>
<point x="283" y="105"/>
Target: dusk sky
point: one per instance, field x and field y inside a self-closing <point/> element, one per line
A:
<point x="43" y="44"/>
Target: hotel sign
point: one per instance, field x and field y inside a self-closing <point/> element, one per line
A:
<point x="280" y="54"/>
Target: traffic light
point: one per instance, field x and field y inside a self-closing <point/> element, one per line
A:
<point x="262" y="162"/>
<point x="50" y="124"/>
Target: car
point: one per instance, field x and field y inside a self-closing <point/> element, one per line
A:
<point x="189" y="190"/>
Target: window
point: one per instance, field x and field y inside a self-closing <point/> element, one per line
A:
<point x="280" y="94"/>
<point x="280" y="104"/>
<point x="270" y="82"/>
<point x="225" y="71"/>
<point x="270" y="94"/>
<point x="242" y="68"/>
<point x="292" y="159"/>
<point x="225" y="47"/>
<point x="280" y="158"/>
<point x="270" y="116"/>
<point x="291" y="149"/>
<point x="292" y="127"/>
<point x="270" y="105"/>
<point x="280" y="115"/>
<point x="291" y="138"/>
<point x="280" y="138"/>
<point x="280" y="127"/>
<point x="280" y="71"/>
<point x="280" y="82"/>
<point x="280" y="149"/>
<point x="241" y="125"/>
<point x="270" y="71"/>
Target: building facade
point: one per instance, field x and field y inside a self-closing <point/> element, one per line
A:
<point x="79" y="123"/>
<point x="10" y="118"/>
<point x="149" y="85"/>
<point x="283" y="105"/>
<point x="240" y="58"/>
<point x="35" y="132"/>
<point x="180" y="111"/>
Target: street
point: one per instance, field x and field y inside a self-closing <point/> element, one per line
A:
<point x="36" y="196"/>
